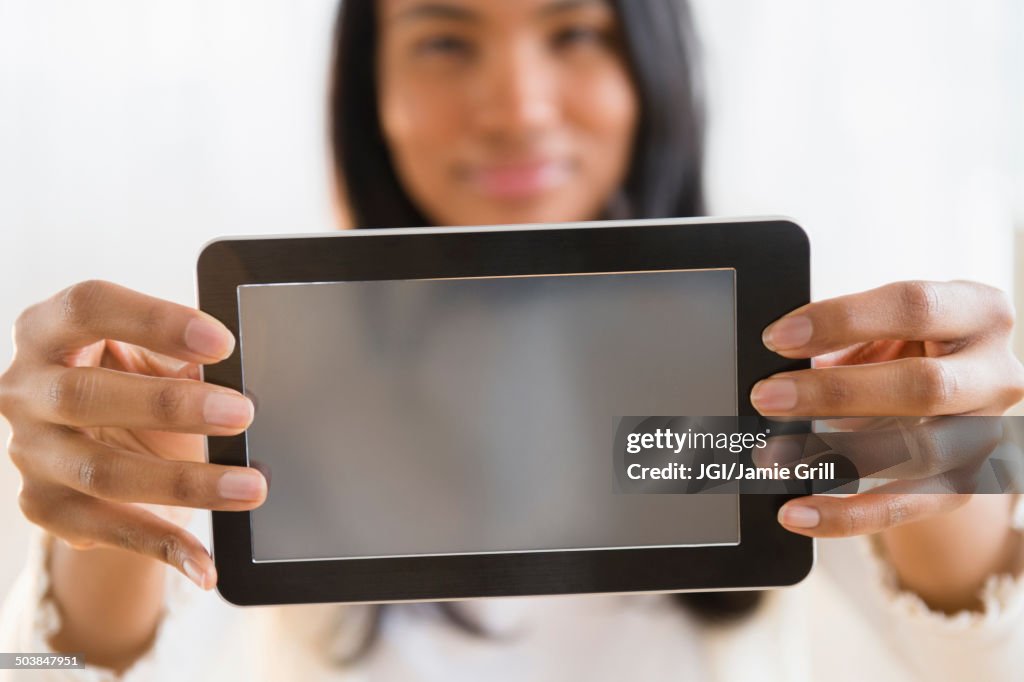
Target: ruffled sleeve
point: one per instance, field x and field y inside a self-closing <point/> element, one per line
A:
<point x="29" y="617"/>
<point x="987" y="644"/>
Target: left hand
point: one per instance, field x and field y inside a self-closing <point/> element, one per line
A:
<point x="905" y="349"/>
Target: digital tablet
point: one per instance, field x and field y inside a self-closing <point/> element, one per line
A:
<point x="435" y="407"/>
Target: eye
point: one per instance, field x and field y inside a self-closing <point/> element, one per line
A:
<point x="446" y="45"/>
<point x="580" y="35"/>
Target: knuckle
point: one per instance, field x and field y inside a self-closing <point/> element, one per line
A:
<point x="927" y="449"/>
<point x="150" y="319"/>
<point x="854" y="520"/>
<point x="183" y="483"/>
<point x="1004" y="316"/>
<point x="1014" y="388"/>
<point x="20" y="322"/>
<point x="1017" y="383"/>
<point x="9" y="392"/>
<point x="6" y="398"/>
<point x="833" y="391"/>
<point x="897" y="510"/>
<point x="32" y="507"/>
<point x="21" y="331"/>
<point x="933" y="385"/>
<point x="78" y="302"/>
<point x="842" y="319"/>
<point x="170" y="549"/>
<point x="167" y="403"/>
<point x="94" y="475"/>
<point x="71" y="392"/>
<point x="17" y="450"/>
<point x="919" y="303"/>
<point x="128" y="536"/>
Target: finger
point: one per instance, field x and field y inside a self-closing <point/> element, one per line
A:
<point x="84" y="521"/>
<point x="916" y="387"/>
<point x="905" y="449"/>
<point x="93" y="310"/>
<point x="910" y="311"/>
<point x="96" y="396"/>
<point x="68" y="458"/>
<point x="875" y="351"/>
<point x="138" y="360"/>
<point x="864" y="513"/>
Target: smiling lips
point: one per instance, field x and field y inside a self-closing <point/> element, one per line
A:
<point x="520" y="180"/>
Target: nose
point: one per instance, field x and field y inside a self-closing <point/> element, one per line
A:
<point x="518" y="94"/>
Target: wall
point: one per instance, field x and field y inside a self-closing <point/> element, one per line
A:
<point x="130" y="133"/>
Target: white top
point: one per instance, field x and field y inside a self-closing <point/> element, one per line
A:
<point x="846" y="621"/>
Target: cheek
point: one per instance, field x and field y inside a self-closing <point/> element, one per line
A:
<point x="421" y="125"/>
<point x="604" y="109"/>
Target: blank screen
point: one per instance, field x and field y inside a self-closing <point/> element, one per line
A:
<point x="476" y="415"/>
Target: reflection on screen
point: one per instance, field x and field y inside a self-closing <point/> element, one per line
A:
<point x="446" y="416"/>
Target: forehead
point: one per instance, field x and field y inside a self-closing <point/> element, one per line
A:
<point x="403" y="11"/>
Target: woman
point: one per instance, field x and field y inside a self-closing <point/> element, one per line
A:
<point x="464" y="112"/>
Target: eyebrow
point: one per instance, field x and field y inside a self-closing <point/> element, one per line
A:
<point x="437" y="10"/>
<point x="560" y="6"/>
<point x="434" y="10"/>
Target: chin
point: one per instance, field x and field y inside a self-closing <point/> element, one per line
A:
<point x="528" y="211"/>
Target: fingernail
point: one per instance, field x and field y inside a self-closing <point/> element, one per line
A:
<point x="774" y="395"/>
<point x="247" y="484"/>
<point x="227" y="409"/>
<point x="194" y="574"/>
<point x="788" y="333"/>
<point x="777" y="451"/>
<point x="799" y="516"/>
<point x="208" y="338"/>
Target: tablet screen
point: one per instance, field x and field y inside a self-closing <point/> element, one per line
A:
<point x="476" y="415"/>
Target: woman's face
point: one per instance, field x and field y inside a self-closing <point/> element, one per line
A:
<point x="505" y="111"/>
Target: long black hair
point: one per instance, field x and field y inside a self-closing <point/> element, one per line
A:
<point x="664" y="179"/>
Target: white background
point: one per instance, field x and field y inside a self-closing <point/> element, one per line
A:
<point x="131" y="133"/>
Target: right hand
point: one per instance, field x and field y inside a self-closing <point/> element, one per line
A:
<point x="108" y="416"/>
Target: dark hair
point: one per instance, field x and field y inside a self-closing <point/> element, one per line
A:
<point x="664" y="178"/>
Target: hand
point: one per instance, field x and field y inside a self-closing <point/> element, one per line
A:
<point x="107" y="421"/>
<point x="918" y="349"/>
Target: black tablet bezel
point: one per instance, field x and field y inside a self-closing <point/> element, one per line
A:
<point x="771" y="258"/>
